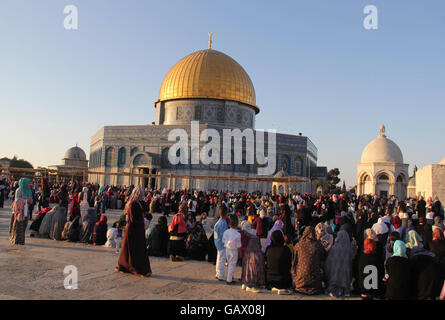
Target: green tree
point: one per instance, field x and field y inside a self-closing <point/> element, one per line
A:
<point x="332" y="180"/>
<point x="19" y="163"/>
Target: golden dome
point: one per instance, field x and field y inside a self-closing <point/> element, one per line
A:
<point x="208" y="74"/>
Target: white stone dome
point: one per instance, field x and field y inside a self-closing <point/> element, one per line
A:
<point x="75" y="153"/>
<point x="382" y="149"/>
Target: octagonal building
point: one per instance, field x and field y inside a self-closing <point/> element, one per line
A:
<point x="210" y="87"/>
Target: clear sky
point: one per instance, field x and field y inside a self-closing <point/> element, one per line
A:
<point x="315" y="68"/>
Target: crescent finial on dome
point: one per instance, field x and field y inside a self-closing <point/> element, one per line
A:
<point x="382" y="131"/>
<point x="210" y="39"/>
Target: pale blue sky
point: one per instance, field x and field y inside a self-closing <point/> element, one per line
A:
<point x="315" y="69"/>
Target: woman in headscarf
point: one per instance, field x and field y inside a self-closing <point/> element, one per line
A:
<point x="84" y="205"/>
<point x="104" y="199"/>
<point x="309" y="254"/>
<point x="253" y="276"/>
<point x="278" y="225"/>
<point x="260" y="225"/>
<point x="63" y="197"/>
<point x="397" y="226"/>
<point x="278" y="264"/>
<point x="71" y="230"/>
<point x="360" y="227"/>
<point x="438" y="224"/>
<point x="178" y="231"/>
<point x="424" y="230"/>
<point x="35" y="225"/>
<point x="322" y="234"/>
<point x="370" y="257"/>
<point x="20" y="216"/>
<point x="338" y="267"/>
<point x="58" y="221"/>
<point x="75" y="205"/>
<point x="381" y="230"/>
<point x="398" y="286"/>
<point x="100" y="232"/>
<point x="423" y="267"/>
<point x="197" y="243"/>
<point x="88" y="223"/>
<point x="133" y="257"/>
<point x="159" y="239"/>
<point x="212" y="252"/>
<point x="437" y="246"/>
<point x="45" y="194"/>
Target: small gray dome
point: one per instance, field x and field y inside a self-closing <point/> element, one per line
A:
<point x="75" y="153"/>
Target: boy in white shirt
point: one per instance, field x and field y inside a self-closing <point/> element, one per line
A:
<point x="232" y="242"/>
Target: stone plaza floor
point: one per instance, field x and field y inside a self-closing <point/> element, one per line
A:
<point x="35" y="271"/>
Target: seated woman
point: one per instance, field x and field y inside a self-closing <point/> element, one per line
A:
<point x="58" y="222"/>
<point x="100" y="232"/>
<point x="45" y="226"/>
<point x="398" y="286"/>
<point x="112" y="235"/>
<point x="178" y="231"/>
<point x="89" y="221"/>
<point x="253" y="274"/>
<point x="370" y="257"/>
<point x="35" y="225"/>
<point x="278" y="264"/>
<point x="308" y="257"/>
<point x="159" y="237"/>
<point x="197" y="243"/>
<point x="278" y="225"/>
<point x="246" y="231"/>
<point x="338" y="267"/>
<point x="71" y="230"/>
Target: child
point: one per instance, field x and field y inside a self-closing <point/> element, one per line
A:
<point x="232" y="242"/>
<point x="218" y="231"/>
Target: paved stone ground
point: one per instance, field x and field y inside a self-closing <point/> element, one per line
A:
<point x="35" y="271"/>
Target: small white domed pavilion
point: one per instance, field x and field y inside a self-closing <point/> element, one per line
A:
<point x="381" y="170"/>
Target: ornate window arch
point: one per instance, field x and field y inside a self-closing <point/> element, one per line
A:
<point x="109" y="157"/>
<point x="122" y="157"/>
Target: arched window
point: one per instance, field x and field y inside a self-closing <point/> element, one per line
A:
<point x="366" y="178"/>
<point x="133" y="151"/>
<point x="122" y="155"/>
<point x="383" y="177"/>
<point x="285" y="163"/>
<point x="298" y="166"/>
<point x="109" y="156"/>
<point x="400" y="178"/>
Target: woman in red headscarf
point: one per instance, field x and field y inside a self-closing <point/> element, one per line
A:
<point x="75" y="205"/>
<point x="371" y="271"/>
<point x="178" y="232"/>
<point x="100" y="232"/>
<point x="397" y="226"/>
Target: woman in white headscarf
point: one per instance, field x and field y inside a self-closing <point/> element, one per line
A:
<point x="381" y="230"/>
<point x="84" y="204"/>
<point x="326" y="239"/>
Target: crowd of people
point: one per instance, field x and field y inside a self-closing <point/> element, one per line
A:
<point x="341" y="245"/>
